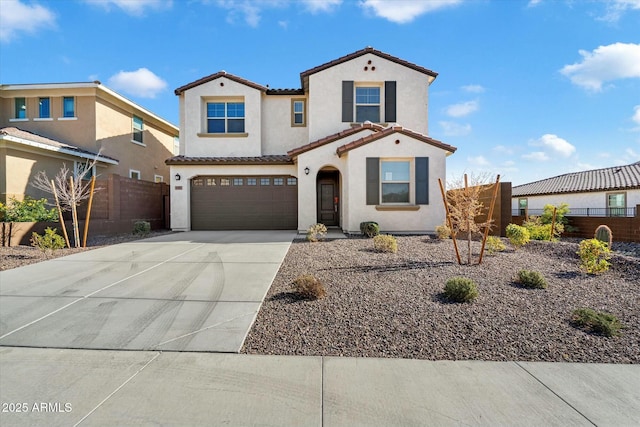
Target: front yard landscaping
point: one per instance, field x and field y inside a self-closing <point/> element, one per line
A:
<point x="392" y="304"/>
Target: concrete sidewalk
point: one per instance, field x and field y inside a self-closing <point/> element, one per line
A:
<point x="106" y="388"/>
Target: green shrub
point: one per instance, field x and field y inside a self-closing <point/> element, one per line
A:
<point x="531" y="279"/>
<point x="443" y="231"/>
<point x="461" y="289"/>
<point x="316" y="232"/>
<point x="604" y="234"/>
<point x="540" y="231"/>
<point x="594" y="256"/>
<point x="309" y="287"/>
<point x="370" y="228"/>
<point x="518" y="235"/>
<point x="49" y="241"/>
<point x="141" y="228"/>
<point x="597" y="322"/>
<point x="494" y="244"/>
<point x="385" y="243"/>
<point x="27" y="210"/>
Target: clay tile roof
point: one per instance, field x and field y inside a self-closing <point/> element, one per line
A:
<point x="606" y="179"/>
<point x="217" y="76"/>
<point x="363" y="52"/>
<point x="285" y="91"/>
<point x="52" y="143"/>
<point x="391" y="130"/>
<point x="264" y="160"/>
<point x="336" y="136"/>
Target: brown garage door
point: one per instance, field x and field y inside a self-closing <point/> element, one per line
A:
<point x="244" y="203"/>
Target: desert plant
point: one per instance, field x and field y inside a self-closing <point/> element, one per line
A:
<point x="385" y="243"/>
<point x="604" y="234"/>
<point x="309" y="287"/>
<point x="460" y="289"/>
<point x="494" y="244"/>
<point x="443" y="231"/>
<point x="597" y="322"/>
<point x="538" y="230"/>
<point x="518" y="236"/>
<point x="141" y="228"/>
<point x="316" y="232"/>
<point x="531" y="279"/>
<point x="370" y="228"/>
<point x="27" y="210"/>
<point x="49" y="241"/>
<point x="594" y="256"/>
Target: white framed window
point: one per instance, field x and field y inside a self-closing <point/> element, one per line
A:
<point x="158" y="178"/>
<point x="225" y="117"/>
<point x="298" y="112"/>
<point x="44" y="108"/>
<point x="616" y="204"/>
<point x="367" y="104"/>
<point x="134" y="174"/>
<point x="395" y="181"/>
<point x="137" y="129"/>
<point x="80" y="167"/>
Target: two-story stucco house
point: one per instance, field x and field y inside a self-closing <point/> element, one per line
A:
<point x="43" y="126"/>
<point x="351" y="145"/>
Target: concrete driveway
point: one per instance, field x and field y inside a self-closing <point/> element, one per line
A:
<point x="192" y="291"/>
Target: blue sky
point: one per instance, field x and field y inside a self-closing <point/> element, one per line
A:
<point x="528" y="89"/>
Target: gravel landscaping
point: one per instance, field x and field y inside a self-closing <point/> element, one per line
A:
<point x="391" y="305"/>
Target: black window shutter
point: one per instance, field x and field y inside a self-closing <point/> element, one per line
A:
<point x="373" y="180"/>
<point x="422" y="180"/>
<point x="390" y="101"/>
<point x="347" y="101"/>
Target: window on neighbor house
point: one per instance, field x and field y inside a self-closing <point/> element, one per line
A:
<point x="395" y="180"/>
<point x="158" y="178"/>
<point x="138" y="129"/>
<point x="367" y="104"/>
<point x="80" y="167"/>
<point x="616" y="204"/>
<point x="44" y="108"/>
<point x="523" y="205"/>
<point x="225" y="117"/>
<point x="68" y="106"/>
<point x="134" y="174"/>
<point x="176" y="145"/>
<point x="298" y="112"/>
<point x="21" y="108"/>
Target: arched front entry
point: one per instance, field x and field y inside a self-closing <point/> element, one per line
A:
<point x="328" y="197"/>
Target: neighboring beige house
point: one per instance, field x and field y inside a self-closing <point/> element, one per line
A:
<point x="613" y="191"/>
<point x="351" y="145"/>
<point x="43" y="126"/>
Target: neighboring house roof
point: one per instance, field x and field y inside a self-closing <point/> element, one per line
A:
<point x="205" y="161"/>
<point x="218" y="75"/>
<point x="336" y="136"/>
<point x="34" y="140"/>
<point x="285" y="91"/>
<point x="389" y="131"/>
<point x="606" y="179"/>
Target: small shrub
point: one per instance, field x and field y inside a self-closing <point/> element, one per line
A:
<point x="316" y="232"/>
<point x="27" y="210"/>
<point x="494" y="244"/>
<point x="309" y="287"/>
<point x="597" y="322"/>
<point x="385" y="243"/>
<point x="49" y="241"/>
<point x="461" y="289"/>
<point x="594" y="256"/>
<point x="443" y="231"/>
<point x="518" y="235"/>
<point x="141" y="228"/>
<point x="541" y="231"/>
<point x="370" y="228"/>
<point x="604" y="234"/>
<point x="531" y="279"/>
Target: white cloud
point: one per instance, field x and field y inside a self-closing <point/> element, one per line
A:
<point x="555" y="144"/>
<point x="616" y="8"/>
<point x="403" y="11"/>
<point x="478" y="161"/>
<point x="17" y="17"/>
<point x="534" y="3"/>
<point x="283" y="24"/>
<point x="133" y="7"/>
<point x="536" y="156"/>
<point x="473" y="88"/>
<point x="462" y="109"/>
<point x="455" y="129"/>
<point x="315" y="6"/>
<point x="605" y="63"/>
<point x="142" y="83"/>
<point x="503" y="149"/>
<point x="636" y="117"/>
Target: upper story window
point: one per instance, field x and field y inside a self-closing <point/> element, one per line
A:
<point x="395" y="180"/>
<point x="367" y="104"/>
<point x="225" y="117"/>
<point x="21" y="108"/>
<point x="44" y="108"/>
<point x="138" y="129"/>
<point x="68" y="106"/>
<point x="176" y="145"/>
<point x="298" y="112"/>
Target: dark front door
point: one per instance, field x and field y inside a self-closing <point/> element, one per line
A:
<point x="328" y="201"/>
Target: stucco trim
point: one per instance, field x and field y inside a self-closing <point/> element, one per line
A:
<point x="397" y="207"/>
<point x="389" y="131"/>
<point x="222" y="135"/>
<point x="335" y="137"/>
<point x="218" y="75"/>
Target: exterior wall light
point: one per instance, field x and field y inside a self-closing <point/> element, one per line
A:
<point x="306" y="170"/>
<point x="178" y="177"/>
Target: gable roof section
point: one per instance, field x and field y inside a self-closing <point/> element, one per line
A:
<point x="208" y="161"/>
<point x="335" y="137"/>
<point x="218" y="75"/>
<point x="389" y="131"/>
<point x="38" y="141"/>
<point x="606" y="179"/>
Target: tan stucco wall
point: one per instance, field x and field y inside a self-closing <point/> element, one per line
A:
<point x="278" y="134"/>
